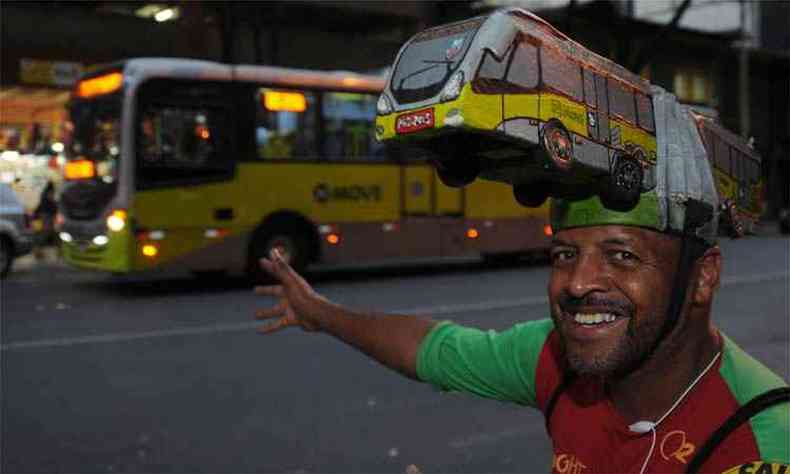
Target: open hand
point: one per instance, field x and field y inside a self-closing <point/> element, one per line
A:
<point x="299" y="305"/>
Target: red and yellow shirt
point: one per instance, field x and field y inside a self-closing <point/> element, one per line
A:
<point x="522" y="365"/>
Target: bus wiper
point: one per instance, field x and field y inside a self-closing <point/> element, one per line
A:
<point x="433" y="64"/>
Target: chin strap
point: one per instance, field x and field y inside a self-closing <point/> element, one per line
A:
<point x="691" y="248"/>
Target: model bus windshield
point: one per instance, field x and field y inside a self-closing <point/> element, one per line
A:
<point x="430" y="59"/>
<point x="96" y="134"/>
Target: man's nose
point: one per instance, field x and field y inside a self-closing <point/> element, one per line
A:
<point x="588" y="275"/>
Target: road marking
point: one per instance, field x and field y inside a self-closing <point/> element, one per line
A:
<point x="460" y="308"/>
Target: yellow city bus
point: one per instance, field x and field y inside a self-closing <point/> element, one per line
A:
<point x="509" y="98"/>
<point x="202" y="166"/>
<point x="737" y="174"/>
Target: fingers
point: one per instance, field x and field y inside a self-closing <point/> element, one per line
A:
<point x="273" y="312"/>
<point x="273" y="327"/>
<point x="277" y="266"/>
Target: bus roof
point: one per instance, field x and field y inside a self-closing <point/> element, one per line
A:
<point x="543" y="31"/>
<point x="726" y="135"/>
<point x="141" y="69"/>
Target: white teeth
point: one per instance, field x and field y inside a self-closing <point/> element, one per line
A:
<point x="594" y="318"/>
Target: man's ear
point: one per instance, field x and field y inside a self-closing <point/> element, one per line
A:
<point x="708" y="275"/>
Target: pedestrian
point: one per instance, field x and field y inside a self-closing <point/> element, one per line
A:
<point x="630" y="372"/>
<point x="44" y="217"/>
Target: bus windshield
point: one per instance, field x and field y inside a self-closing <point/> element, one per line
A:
<point x="97" y="134"/>
<point x="430" y="59"/>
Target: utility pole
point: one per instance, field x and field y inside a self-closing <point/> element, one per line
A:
<point x="743" y="76"/>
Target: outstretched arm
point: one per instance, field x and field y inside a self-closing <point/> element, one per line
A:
<point x="393" y="340"/>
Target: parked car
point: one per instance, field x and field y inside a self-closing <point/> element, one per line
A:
<point x="15" y="236"/>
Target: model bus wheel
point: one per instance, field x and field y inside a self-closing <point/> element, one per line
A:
<point x="6" y="257"/>
<point x="532" y="194"/>
<point x="623" y="186"/>
<point x="558" y="145"/>
<point x="729" y="218"/>
<point x="457" y="175"/>
<point x="291" y="246"/>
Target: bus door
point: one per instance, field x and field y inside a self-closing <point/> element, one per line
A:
<point x="602" y="119"/>
<point x="184" y="167"/>
<point x="420" y="227"/>
<point x="449" y="209"/>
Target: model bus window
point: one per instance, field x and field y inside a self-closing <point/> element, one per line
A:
<point x="349" y="127"/>
<point x="524" y="70"/>
<point x="589" y="88"/>
<point x="181" y="143"/>
<point x="285" y="124"/>
<point x="721" y="154"/>
<point x="560" y="74"/>
<point x="644" y="110"/>
<point x="430" y="59"/>
<point x="492" y="69"/>
<point x="621" y="101"/>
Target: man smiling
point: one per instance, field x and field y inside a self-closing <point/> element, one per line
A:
<point x="630" y="372"/>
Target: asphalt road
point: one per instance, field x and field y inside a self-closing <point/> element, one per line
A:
<point x="105" y="374"/>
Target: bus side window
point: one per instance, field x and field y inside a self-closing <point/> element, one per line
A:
<point x="523" y="70"/>
<point x="589" y="87"/>
<point x="491" y="68"/>
<point x="621" y="101"/>
<point x="561" y="74"/>
<point x="722" y="155"/>
<point x="644" y="110"/>
<point x="349" y="127"/>
<point x="285" y="124"/>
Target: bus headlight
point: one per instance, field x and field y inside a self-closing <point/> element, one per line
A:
<point x="117" y="220"/>
<point x="65" y="237"/>
<point x="453" y="87"/>
<point x="101" y="240"/>
<point x="384" y="105"/>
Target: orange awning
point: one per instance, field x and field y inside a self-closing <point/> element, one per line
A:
<point x="27" y="105"/>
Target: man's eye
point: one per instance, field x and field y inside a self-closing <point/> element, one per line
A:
<point x="561" y="255"/>
<point x="625" y="256"/>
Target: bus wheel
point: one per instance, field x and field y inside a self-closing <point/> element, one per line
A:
<point x="558" y="144"/>
<point x="532" y="194"/>
<point x="292" y="246"/>
<point x="457" y="175"/>
<point x="625" y="181"/>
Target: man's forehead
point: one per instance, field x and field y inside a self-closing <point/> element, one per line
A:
<point x="614" y="234"/>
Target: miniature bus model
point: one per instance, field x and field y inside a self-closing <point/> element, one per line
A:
<point x="201" y="166"/>
<point x="509" y="98"/>
<point x="736" y="172"/>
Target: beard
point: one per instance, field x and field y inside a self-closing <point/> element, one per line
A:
<point x="617" y="356"/>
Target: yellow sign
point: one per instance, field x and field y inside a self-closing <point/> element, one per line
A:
<point x="759" y="467"/>
<point x="281" y="101"/>
<point x="49" y="73"/>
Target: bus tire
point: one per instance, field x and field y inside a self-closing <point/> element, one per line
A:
<point x="6" y="256"/>
<point x="558" y="144"/>
<point x="293" y="246"/>
<point x="624" y="184"/>
<point x="531" y="194"/>
<point x="457" y="175"/>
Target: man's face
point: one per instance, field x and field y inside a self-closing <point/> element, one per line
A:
<point x="609" y="291"/>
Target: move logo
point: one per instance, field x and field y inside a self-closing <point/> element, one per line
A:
<point x="567" y="464"/>
<point x="323" y="193"/>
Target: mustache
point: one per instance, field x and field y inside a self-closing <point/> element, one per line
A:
<point x="572" y="304"/>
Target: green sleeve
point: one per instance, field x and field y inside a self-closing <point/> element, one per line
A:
<point x="490" y="364"/>
<point x="748" y="378"/>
